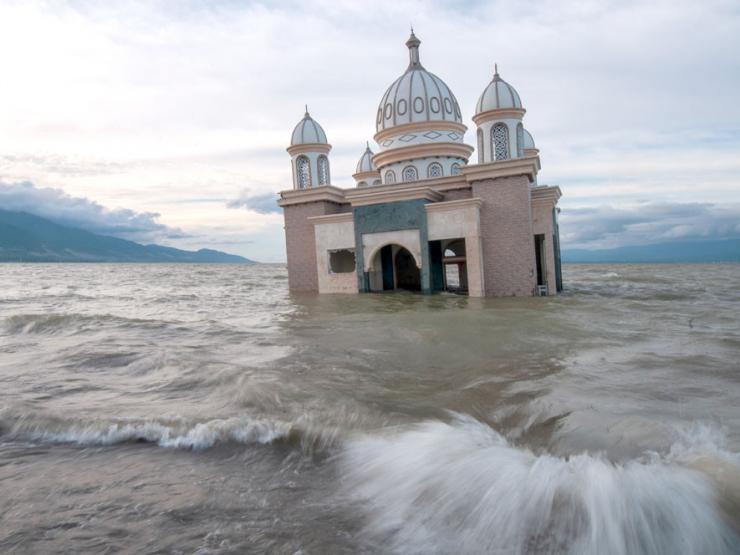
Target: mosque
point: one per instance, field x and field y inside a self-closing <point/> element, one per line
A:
<point x="422" y="217"/>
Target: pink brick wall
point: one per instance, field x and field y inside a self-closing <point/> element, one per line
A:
<point x="507" y="237"/>
<point x="300" y="243"/>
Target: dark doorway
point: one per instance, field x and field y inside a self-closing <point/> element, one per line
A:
<point x="539" y="251"/>
<point x="408" y="275"/>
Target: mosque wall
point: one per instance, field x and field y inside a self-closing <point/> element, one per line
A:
<point x="334" y="236"/>
<point x="507" y="239"/>
<point x="300" y="243"/>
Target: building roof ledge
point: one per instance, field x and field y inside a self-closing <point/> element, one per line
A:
<point x="327" y="193"/>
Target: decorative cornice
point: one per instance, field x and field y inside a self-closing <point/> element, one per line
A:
<point x="454" y="204"/>
<point x="426" y="150"/>
<point x="366" y="175"/>
<point x="531" y="151"/>
<point x="342" y="217"/>
<point x="308" y="147"/>
<point x="528" y="165"/>
<point x="499" y="113"/>
<point x="416" y="126"/>
<point x="326" y="193"/>
<point x="546" y="193"/>
<point x="370" y="196"/>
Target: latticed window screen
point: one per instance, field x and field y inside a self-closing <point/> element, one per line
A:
<point x="303" y="171"/>
<point x="519" y="140"/>
<point x="434" y="170"/>
<point x="390" y="177"/>
<point x="455" y="169"/>
<point x="480" y="145"/>
<point x="323" y="170"/>
<point x="409" y="173"/>
<point x="500" y="140"/>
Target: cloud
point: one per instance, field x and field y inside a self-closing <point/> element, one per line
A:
<point x="145" y="104"/>
<point x="58" y="206"/>
<point x="648" y="222"/>
<point x="261" y="203"/>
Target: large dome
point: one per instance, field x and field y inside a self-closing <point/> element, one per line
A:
<point x="498" y="95"/>
<point x="416" y="96"/>
<point x="308" y="131"/>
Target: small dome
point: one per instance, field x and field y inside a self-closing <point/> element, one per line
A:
<point x="308" y="131"/>
<point x="528" y="140"/>
<point x="417" y="95"/>
<point x="498" y="95"/>
<point x="366" y="162"/>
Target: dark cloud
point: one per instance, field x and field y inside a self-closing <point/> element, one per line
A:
<point x="265" y="203"/>
<point x="58" y="206"/>
<point x="645" y="223"/>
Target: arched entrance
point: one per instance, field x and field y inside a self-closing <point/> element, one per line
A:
<point x="394" y="267"/>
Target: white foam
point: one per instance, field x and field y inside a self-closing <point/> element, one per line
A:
<point x="462" y="488"/>
<point x="177" y="434"/>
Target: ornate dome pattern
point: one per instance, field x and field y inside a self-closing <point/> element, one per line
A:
<point x="417" y="95"/>
<point x="498" y="95"/>
<point x="366" y="162"/>
<point x="308" y="131"/>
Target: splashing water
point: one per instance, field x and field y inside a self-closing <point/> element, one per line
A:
<point x="204" y="409"/>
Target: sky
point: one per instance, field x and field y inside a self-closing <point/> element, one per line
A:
<point x="167" y="122"/>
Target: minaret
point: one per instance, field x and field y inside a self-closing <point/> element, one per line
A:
<point x="309" y="151"/>
<point x="498" y="115"/>
<point x="366" y="173"/>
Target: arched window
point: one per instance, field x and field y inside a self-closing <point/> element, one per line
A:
<point x="435" y="170"/>
<point x="323" y="163"/>
<point x="410" y="174"/>
<point x="480" y="145"/>
<point x="519" y="140"/>
<point x="376" y="182"/>
<point x="303" y="172"/>
<point x="390" y="177"/>
<point x="362" y="184"/>
<point x="500" y="142"/>
<point x="455" y="169"/>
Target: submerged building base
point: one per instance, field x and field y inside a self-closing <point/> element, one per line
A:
<point x="486" y="232"/>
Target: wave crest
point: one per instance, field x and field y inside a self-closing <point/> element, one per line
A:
<point x="462" y="488"/>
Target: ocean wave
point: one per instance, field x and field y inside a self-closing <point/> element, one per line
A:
<point x="172" y="433"/>
<point x="460" y="487"/>
<point x="51" y="324"/>
<point x="179" y="433"/>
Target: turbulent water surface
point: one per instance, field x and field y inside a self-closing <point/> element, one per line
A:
<point x="184" y="409"/>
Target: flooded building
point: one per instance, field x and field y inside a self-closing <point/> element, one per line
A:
<point x="422" y="217"/>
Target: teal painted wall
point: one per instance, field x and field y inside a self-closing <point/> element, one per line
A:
<point x="392" y="216"/>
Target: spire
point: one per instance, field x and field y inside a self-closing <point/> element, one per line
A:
<point x="413" y="46"/>
<point x="367" y="143"/>
<point x="495" y="72"/>
<point x="306" y="115"/>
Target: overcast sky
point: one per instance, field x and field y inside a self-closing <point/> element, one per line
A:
<point x="168" y="121"/>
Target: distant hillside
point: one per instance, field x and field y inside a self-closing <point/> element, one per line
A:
<point x="28" y="238"/>
<point x="725" y="250"/>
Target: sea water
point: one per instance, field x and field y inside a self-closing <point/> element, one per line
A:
<point x="205" y="409"/>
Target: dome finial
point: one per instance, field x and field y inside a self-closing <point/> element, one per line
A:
<point x="306" y="115"/>
<point x="495" y="70"/>
<point x="413" y="46"/>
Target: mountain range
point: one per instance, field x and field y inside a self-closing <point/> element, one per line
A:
<point x="715" y="250"/>
<point x="28" y="238"/>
